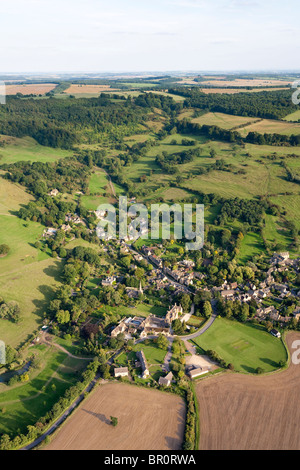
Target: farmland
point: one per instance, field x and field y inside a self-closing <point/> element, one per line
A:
<point x="268" y="126"/>
<point x="28" y="89"/>
<point x="87" y="89"/>
<point x="225" y="121"/>
<point x="141" y="147"/>
<point x="233" y="91"/>
<point x="247" y="124"/>
<point x="236" y="82"/>
<point x="147" y="420"/>
<point x="254" y="413"/>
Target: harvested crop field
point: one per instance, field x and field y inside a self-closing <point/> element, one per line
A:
<point x="231" y="91"/>
<point x="35" y="89"/>
<point x="74" y="89"/>
<point x="225" y="121"/>
<point x="239" y="412"/>
<point x="270" y="126"/>
<point x="248" y="82"/>
<point x="147" y="420"/>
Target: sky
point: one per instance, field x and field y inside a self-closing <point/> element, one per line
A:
<point x="148" y="35"/>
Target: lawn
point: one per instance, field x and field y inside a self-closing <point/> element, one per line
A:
<point x="244" y="345"/>
<point x="154" y="355"/>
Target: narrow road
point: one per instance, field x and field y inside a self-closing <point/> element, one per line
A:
<point x="206" y="325"/>
<point x="184" y="287"/>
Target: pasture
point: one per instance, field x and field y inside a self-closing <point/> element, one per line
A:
<point x="147" y="420"/>
<point x="239" y="412"/>
<point x="27" y="275"/>
<point x="24" y="403"/>
<point x="27" y="149"/>
<point x="250" y="124"/>
<point x="293" y="117"/>
<point x="270" y="126"/>
<point x="225" y="121"/>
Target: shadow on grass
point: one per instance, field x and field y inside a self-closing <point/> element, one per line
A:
<point x="270" y="362"/>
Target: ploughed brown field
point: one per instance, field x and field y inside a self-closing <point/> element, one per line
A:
<point x="147" y="420"/>
<point x="240" y="412"/>
<point x="75" y="89"/>
<point x="35" y="89"/>
<point x="231" y="91"/>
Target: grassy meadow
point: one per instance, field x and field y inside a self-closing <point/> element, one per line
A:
<point x="24" y="403"/>
<point x="27" y="275"/>
<point x="27" y="149"/>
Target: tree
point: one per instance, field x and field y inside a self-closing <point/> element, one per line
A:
<point x="114" y="420"/>
<point x="162" y="342"/>
<point x="207" y="309"/>
<point x="4" y="249"/>
<point x="63" y="316"/>
<point x="186" y="302"/>
<point x="177" y="327"/>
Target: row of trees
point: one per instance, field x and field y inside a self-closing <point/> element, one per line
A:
<point x="265" y="104"/>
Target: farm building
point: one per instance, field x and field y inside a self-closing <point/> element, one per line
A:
<point x="166" y="381"/>
<point x="121" y="372"/>
<point x="143" y="362"/>
<point x="53" y="192"/>
<point x="275" y="333"/>
<point x="197" y="372"/>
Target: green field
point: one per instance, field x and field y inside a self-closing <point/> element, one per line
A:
<point x="250" y="124"/>
<point x="27" y="275"/>
<point x="294" y="117"/>
<point x="98" y="182"/>
<point x="154" y="355"/>
<point x="269" y="126"/>
<point x="27" y="149"/>
<point x="225" y="121"/>
<point x="252" y="245"/>
<point x="100" y="191"/>
<point x="244" y="345"/>
<point x="23" y="404"/>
